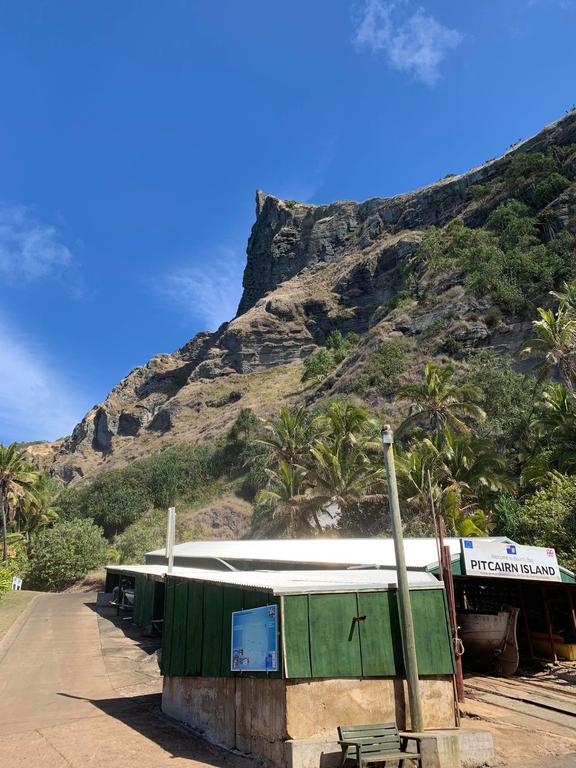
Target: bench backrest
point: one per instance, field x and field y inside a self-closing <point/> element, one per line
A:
<point x="378" y="737"/>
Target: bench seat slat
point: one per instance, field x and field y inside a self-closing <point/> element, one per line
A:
<point x="375" y="737"/>
<point x="392" y="756"/>
<point x="369" y="727"/>
<point x="388" y="755"/>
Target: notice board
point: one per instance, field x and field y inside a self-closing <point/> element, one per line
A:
<point x="255" y="640"/>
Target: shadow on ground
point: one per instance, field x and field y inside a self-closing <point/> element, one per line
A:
<point x="143" y="715"/>
<point x="123" y="622"/>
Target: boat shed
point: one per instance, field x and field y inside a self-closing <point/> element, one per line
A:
<point x="546" y="615"/>
<point x="259" y="660"/>
<point x="254" y="660"/>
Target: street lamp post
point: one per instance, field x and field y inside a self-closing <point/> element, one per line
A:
<point x="408" y="641"/>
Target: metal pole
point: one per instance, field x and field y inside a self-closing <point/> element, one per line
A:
<point x="408" y="641"/>
<point x="170" y="536"/>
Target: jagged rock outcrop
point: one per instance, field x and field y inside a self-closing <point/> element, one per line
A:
<point x="310" y="269"/>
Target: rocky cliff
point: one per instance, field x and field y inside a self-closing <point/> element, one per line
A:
<point x="310" y="270"/>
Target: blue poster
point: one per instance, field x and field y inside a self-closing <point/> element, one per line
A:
<point x="255" y="640"/>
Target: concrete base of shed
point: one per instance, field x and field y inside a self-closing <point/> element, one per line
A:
<point x="263" y="716"/>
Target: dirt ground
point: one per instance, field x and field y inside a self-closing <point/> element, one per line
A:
<point x="532" y="718"/>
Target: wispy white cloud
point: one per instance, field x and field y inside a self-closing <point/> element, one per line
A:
<point x="410" y="38"/>
<point x="29" y="249"/>
<point x="35" y="401"/>
<point x="209" y="291"/>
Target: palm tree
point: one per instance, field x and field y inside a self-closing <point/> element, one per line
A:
<point x="465" y="473"/>
<point x="289" y="492"/>
<point x="343" y="474"/>
<point x="290" y="437"/>
<point x="420" y="468"/>
<point x="17" y="481"/>
<point x="438" y="402"/>
<point x="555" y="343"/>
<point x="567" y="297"/>
<point x="38" y="509"/>
<point x="349" y="424"/>
<point x="554" y="426"/>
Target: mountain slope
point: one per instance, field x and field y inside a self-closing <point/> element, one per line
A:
<point x="346" y="266"/>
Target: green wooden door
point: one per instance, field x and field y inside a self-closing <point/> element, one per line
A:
<point x="334" y="636"/>
<point x="432" y="634"/>
<point x="380" y="638"/>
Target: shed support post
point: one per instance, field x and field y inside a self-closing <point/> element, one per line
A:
<point x="571" y="606"/>
<point x="549" y="622"/>
<point x="451" y="599"/>
<point x="408" y="639"/>
<point x="526" y="621"/>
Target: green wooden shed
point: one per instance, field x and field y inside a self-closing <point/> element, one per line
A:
<point x="332" y="623"/>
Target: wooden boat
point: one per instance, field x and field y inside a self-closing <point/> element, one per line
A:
<point x="489" y="639"/>
<point x="482" y="633"/>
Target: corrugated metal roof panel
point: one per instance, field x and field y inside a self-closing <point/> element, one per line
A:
<point x="420" y="553"/>
<point x="290" y="582"/>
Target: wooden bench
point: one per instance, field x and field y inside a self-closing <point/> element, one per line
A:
<point x="376" y="743"/>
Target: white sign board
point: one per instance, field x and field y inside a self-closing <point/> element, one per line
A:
<point x="500" y="560"/>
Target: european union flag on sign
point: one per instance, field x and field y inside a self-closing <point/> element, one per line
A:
<point x="511" y="550"/>
<point x="468" y="544"/>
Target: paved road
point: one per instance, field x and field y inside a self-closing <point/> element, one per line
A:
<point x="67" y="701"/>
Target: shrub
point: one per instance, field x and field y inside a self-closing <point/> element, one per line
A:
<point x="531" y="165"/>
<point x="507" y="397"/>
<point x="318" y="365"/>
<point x="17" y="563"/>
<point x="548" y="519"/>
<point x="505" y="259"/>
<point x="117" y="498"/>
<point x="5" y="580"/>
<point x="400" y="300"/>
<point x="256" y="478"/>
<point x="549" y="189"/>
<point x="340" y="345"/>
<point x="65" y="553"/>
<point x="383" y="367"/>
<point x="138" y="539"/>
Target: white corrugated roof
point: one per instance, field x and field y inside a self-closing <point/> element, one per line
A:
<point x="290" y="582"/>
<point x="420" y="553"/>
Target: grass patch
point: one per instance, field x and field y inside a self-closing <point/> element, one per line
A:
<point x="12" y="604"/>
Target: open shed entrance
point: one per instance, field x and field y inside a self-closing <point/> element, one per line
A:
<point x="544" y="618"/>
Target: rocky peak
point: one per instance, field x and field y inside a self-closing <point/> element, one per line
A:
<point x="288" y="236"/>
<point x="310" y="269"/>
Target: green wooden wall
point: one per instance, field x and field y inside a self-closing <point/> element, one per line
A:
<point x="321" y="637"/>
<point x="323" y="640"/>
<point x="148" y="600"/>
<point x="198" y="627"/>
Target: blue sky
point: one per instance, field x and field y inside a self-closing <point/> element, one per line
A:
<point x="133" y="136"/>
